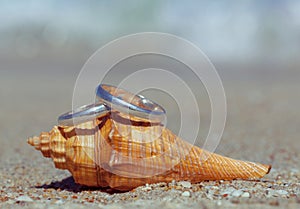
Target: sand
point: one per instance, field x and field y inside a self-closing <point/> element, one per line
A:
<point x="262" y="125"/>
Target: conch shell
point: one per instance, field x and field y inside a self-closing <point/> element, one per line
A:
<point x="123" y="152"/>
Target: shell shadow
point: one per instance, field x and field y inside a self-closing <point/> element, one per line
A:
<point x="68" y="184"/>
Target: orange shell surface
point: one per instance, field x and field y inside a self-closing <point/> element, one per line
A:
<point x="124" y="153"/>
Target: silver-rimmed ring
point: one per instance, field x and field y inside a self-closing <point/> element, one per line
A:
<point x="126" y="102"/>
<point x="83" y="114"/>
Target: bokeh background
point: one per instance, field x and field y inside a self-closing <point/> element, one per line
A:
<point x="253" y="44"/>
<point x="231" y="31"/>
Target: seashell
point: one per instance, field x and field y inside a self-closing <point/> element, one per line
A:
<point x="123" y="152"/>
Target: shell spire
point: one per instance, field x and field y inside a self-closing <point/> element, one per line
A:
<point x="41" y="143"/>
<point x="120" y="152"/>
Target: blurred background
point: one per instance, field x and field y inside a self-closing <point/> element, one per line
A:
<point x="56" y="32"/>
<point x="254" y="45"/>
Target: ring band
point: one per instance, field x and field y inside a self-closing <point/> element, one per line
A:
<point x="126" y="102"/>
<point x="83" y="114"/>
<point x="115" y="98"/>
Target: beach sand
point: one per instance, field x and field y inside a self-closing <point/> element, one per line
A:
<point x="262" y="126"/>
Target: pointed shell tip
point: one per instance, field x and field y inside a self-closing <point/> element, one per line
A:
<point x="269" y="169"/>
<point x="30" y="141"/>
<point x="34" y="141"/>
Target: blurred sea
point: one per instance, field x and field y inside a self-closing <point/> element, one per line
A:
<point x="56" y="32"/>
